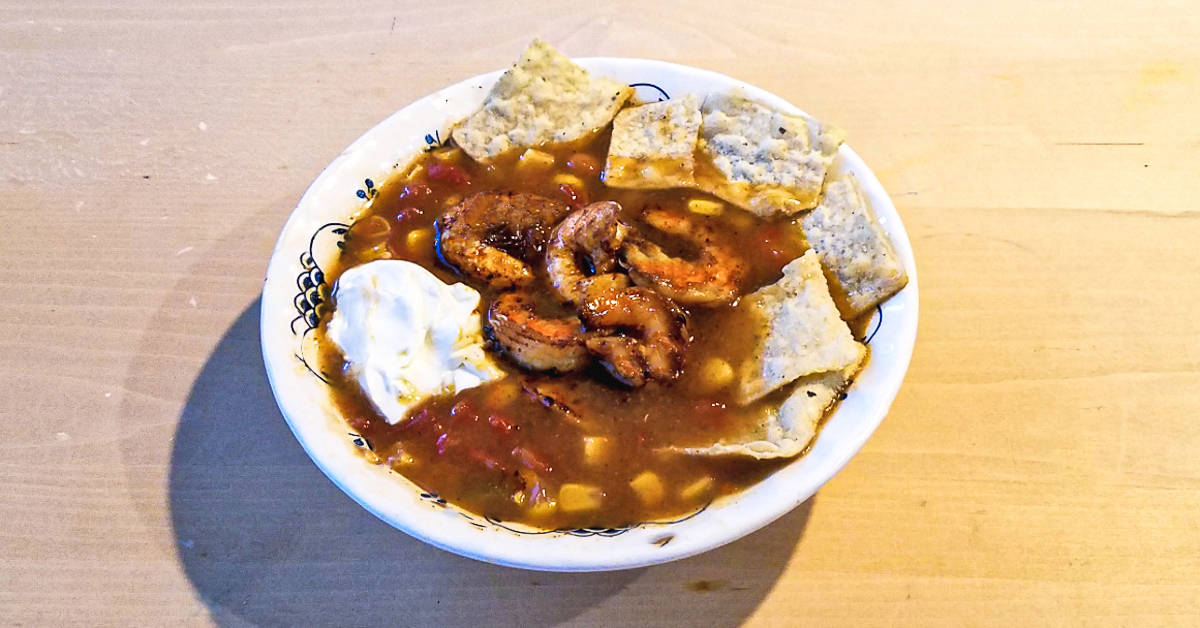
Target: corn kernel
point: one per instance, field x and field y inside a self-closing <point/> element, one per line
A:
<point x="715" y="374"/>
<point x="648" y="486"/>
<point x="541" y="509"/>
<point x="595" y="449"/>
<point x="534" y="160"/>
<point x="577" y="497"/>
<point x="413" y="172"/>
<point x="705" y="207"/>
<point x="563" y="178"/>
<point x="447" y="154"/>
<point x="419" y="239"/>
<point x="696" y="489"/>
<point x="452" y="200"/>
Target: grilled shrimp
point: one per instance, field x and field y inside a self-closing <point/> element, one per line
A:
<point x="593" y="232"/>
<point x="489" y="235"/>
<point x="656" y="337"/>
<point x="535" y="341"/>
<point x="713" y="278"/>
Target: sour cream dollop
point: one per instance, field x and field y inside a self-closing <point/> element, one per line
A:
<point x="407" y="336"/>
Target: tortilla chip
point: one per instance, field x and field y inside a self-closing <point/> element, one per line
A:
<point x="785" y="431"/>
<point x="803" y="332"/>
<point x="764" y="160"/>
<point x="853" y="247"/>
<point x="652" y="145"/>
<point x="544" y="97"/>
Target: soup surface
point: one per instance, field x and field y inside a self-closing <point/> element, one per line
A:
<point x="578" y="449"/>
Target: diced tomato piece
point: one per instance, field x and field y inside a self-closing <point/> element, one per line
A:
<point x="414" y="191"/>
<point x="462" y="410"/>
<point x="538" y="493"/>
<point x="531" y="460"/>
<point x="444" y="443"/>
<point x="408" y="213"/>
<point x="583" y="164"/>
<point x="501" y="423"/>
<point x="575" y="198"/>
<point x="480" y="456"/>
<point x="417" y="419"/>
<point x="447" y="173"/>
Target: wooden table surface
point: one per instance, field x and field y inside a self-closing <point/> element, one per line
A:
<point x="1041" y="465"/>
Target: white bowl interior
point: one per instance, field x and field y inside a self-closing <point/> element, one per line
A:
<point x="308" y="243"/>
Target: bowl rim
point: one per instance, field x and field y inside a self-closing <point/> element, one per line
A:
<point x="487" y="547"/>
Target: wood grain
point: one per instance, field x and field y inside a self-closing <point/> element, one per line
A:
<point x="1041" y="465"/>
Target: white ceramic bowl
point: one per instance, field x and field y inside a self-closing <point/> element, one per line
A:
<point x="295" y="287"/>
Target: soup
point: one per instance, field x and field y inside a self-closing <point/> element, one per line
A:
<point x="577" y="449"/>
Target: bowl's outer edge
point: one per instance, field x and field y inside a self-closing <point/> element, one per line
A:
<point x="719" y="525"/>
